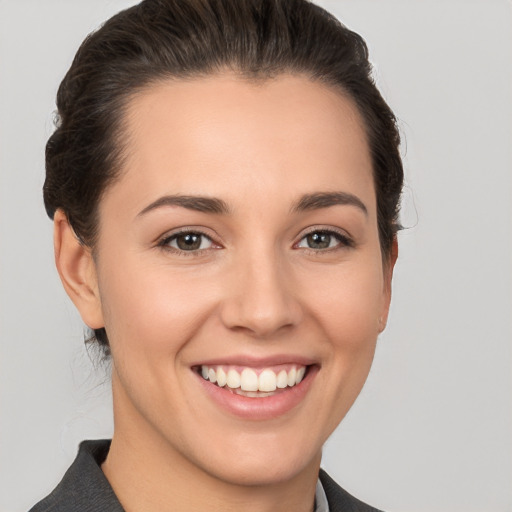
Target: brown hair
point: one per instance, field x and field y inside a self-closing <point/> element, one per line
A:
<point x="159" y="39"/>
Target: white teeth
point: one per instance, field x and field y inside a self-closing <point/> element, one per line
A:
<point x="267" y="381"/>
<point x="250" y="383"/>
<point x="233" y="379"/>
<point x="282" y="379"/>
<point x="292" y="374"/>
<point x="248" y="380"/>
<point x="221" y="377"/>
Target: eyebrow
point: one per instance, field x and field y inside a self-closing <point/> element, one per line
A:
<point x="197" y="203"/>
<point x="320" y="200"/>
<point x="205" y="204"/>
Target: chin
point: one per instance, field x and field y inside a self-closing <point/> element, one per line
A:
<point x="258" y="472"/>
<point x="258" y="460"/>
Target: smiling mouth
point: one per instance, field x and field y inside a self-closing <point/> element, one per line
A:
<point x="254" y="383"/>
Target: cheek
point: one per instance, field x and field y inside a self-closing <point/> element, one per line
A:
<point x="342" y="310"/>
<point x="348" y="303"/>
<point x="347" y="313"/>
<point x="154" y="311"/>
<point x="150" y="319"/>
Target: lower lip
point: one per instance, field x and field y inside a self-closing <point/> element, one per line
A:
<point x="260" y="408"/>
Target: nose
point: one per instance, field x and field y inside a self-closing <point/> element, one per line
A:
<point x="260" y="298"/>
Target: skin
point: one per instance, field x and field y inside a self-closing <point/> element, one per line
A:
<point x="256" y="290"/>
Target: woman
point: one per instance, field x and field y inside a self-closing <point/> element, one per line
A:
<point x="224" y="182"/>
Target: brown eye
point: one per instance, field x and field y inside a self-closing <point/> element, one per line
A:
<point x="189" y="241"/>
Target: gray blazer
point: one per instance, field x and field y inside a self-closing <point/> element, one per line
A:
<point x="84" y="488"/>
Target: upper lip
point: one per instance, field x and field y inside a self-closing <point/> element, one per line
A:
<point x="257" y="362"/>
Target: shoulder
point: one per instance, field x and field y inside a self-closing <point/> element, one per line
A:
<point x="83" y="488"/>
<point x="340" y="500"/>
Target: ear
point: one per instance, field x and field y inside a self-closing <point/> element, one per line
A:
<point x="388" y="267"/>
<point x="77" y="271"/>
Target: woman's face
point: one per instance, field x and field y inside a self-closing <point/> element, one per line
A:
<point x="240" y="244"/>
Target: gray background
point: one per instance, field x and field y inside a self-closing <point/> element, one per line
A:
<point x="432" y="428"/>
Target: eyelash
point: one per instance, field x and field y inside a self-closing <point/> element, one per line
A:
<point x="343" y="240"/>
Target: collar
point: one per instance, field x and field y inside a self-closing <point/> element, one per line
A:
<point x="321" y="504"/>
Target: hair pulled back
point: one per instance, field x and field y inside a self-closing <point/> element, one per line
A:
<point x="161" y="39"/>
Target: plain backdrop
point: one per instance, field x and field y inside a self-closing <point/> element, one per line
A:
<point x="432" y="429"/>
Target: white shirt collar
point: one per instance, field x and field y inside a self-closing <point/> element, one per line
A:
<point x="321" y="504"/>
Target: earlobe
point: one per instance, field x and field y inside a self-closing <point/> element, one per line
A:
<point x="77" y="271"/>
<point x="389" y="266"/>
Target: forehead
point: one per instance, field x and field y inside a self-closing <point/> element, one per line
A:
<point x="222" y="133"/>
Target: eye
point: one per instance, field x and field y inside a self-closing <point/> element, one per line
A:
<point x="188" y="241"/>
<point x="324" y="239"/>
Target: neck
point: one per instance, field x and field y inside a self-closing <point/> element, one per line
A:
<point x="147" y="473"/>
